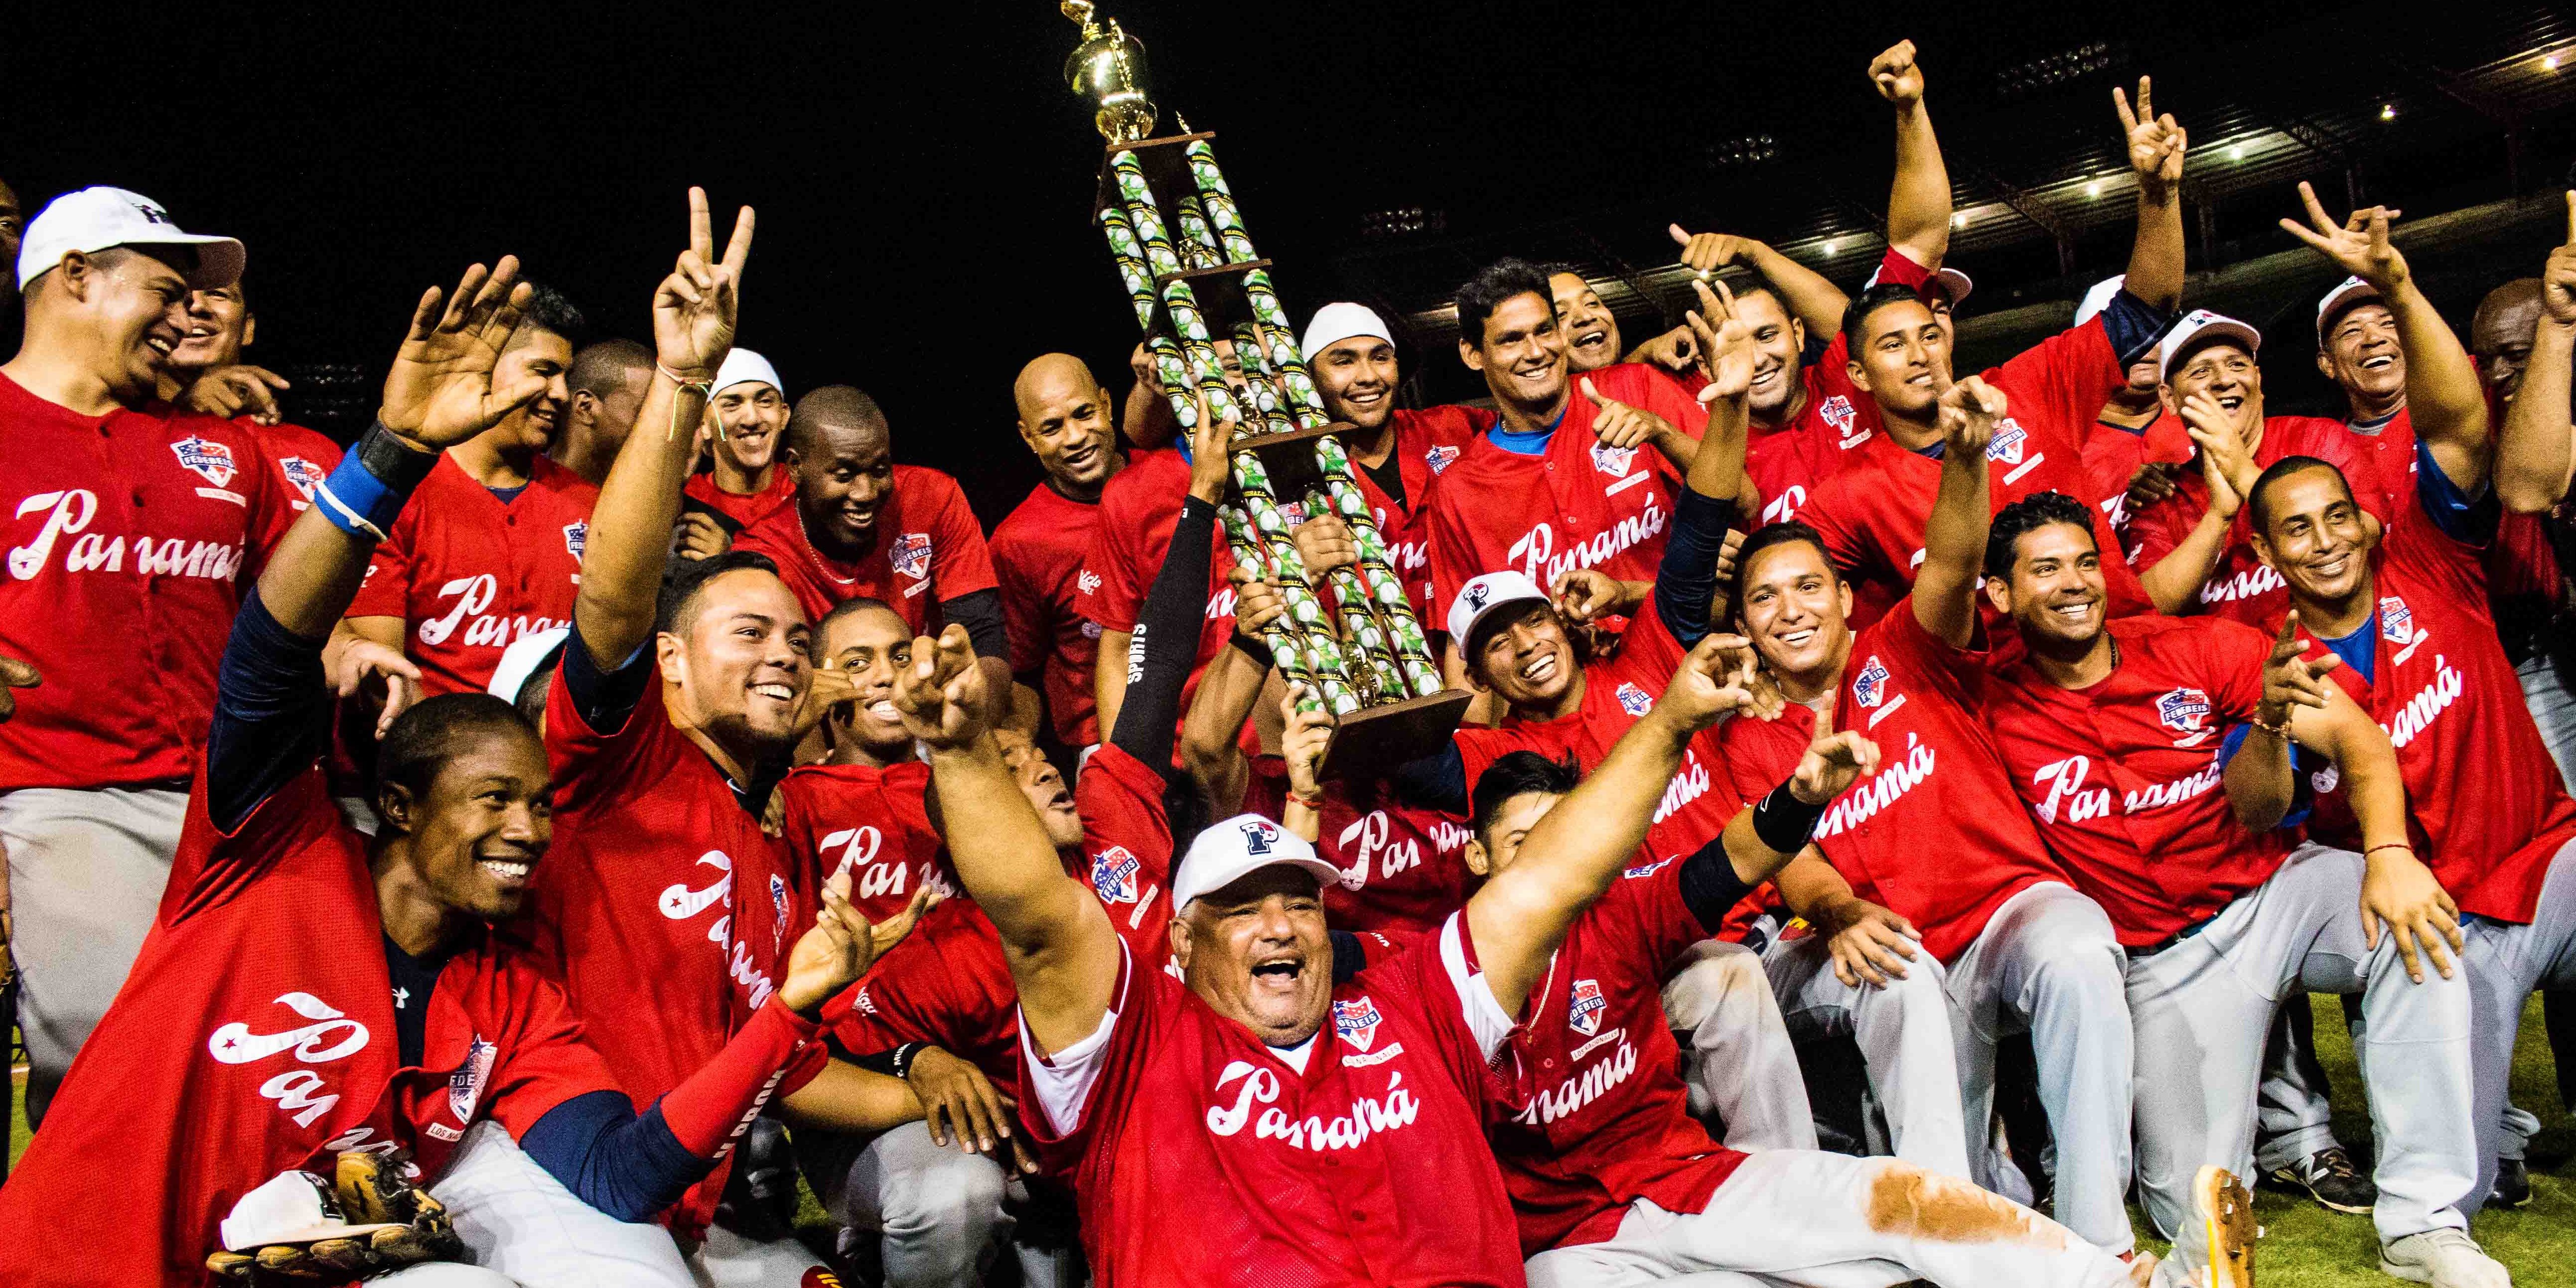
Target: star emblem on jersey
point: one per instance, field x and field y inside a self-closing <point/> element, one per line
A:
<point x="2396" y="621"/>
<point x="208" y="459"/>
<point x="911" y="554"/>
<point x="2185" y="711"/>
<point x="2006" y="445"/>
<point x="1258" y="837"/>
<point x="1113" y="875"/>
<point x="1356" y="1021"/>
<point x="1633" y="700"/>
<point x="465" y="1086"/>
<point x="576" y="535"/>
<point x="1869" y="688"/>
<point x="1837" y="412"/>
<point x="1438" y="458"/>
<point x="1583" y="1010"/>
<point x="304" y="474"/>
<point x="1612" y="461"/>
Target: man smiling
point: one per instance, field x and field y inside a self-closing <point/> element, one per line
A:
<point x="1067" y="422"/>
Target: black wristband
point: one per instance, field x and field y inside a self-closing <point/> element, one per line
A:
<point x="1785" y="823"/>
<point x="1254" y="649"/>
<point x="397" y="464"/>
<point x="900" y="1065"/>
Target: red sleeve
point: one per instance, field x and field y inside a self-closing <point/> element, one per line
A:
<point x="387" y="590"/>
<point x="1753" y="753"/>
<point x="212" y="866"/>
<point x="1024" y="618"/>
<point x="1926" y="657"/>
<point x="1653" y="923"/>
<point x="589" y="764"/>
<point x="545" y="1061"/>
<point x="2231" y="657"/>
<point x="1894" y="267"/>
<point x="2068" y="377"/>
<point x="1120" y="799"/>
<point x="1845" y="545"/>
<point x="960" y="563"/>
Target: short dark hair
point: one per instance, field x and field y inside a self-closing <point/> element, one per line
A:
<point x="548" y="310"/>
<point x="684" y="580"/>
<point x="1493" y="284"/>
<point x="1518" y="773"/>
<point x="1787" y="532"/>
<point x="2257" y="497"/>
<point x="435" y="731"/>
<point x="846" y="403"/>
<point x="1856" y="314"/>
<point x="608" y="364"/>
<point x="852" y="608"/>
<point x="2029" y="514"/>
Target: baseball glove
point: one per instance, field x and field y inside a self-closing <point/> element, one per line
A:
<point x="397" y="1225"/>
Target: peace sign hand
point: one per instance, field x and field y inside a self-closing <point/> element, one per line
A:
<point x="439" y="390"/>
<point x="694" y="308"/>
<point x="2360" y="246"/>
<point x="2156" y="143"/>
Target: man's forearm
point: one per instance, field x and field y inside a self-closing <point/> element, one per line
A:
<point x="1954" y="547"/>
<point x="2444" y="398"/>
<point x="1811" y="299"/>
<point x="631" y="525"/>
<point x="844" y="1097"/>
<point x="1109" y="677"/>
<point x="2535" y="447"/>
<point x="2156" y="256"/>
<point x="2258" y="781"/>
<point x="1812" y="889"/>
<point x="1918" y="202"/>
<point x="2174" y="582"/>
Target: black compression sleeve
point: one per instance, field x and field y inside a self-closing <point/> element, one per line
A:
<point x="272" y="710"/>
<point x="1710" y="887"/>
<point x="1784" y="822"/>
<point x="980" y="612"/>
<point x="1166" y="640"/>
<point x="1350" y="955"/>
<point x="1686" y="579"/>
<point x="605" y="698"/>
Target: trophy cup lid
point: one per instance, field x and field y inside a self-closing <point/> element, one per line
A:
<point x="1108" y="67"/>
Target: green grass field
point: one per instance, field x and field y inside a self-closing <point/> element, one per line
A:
<point x="2305" y="1246"/>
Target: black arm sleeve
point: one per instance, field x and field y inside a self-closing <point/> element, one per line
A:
<point x="1350" y="955"/>
<point x="1686" y="579"/>
<point x="1437" y="781"/>
<point x="1710" y="887"/>
<point x="2133" y="325"/>
<point x="1166" y="640"/>
<point x="272" y="712"/>
<point x="605" y="699"/>
<point x="980" y="612"/>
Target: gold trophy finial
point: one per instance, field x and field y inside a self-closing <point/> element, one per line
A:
<point x="1109" y="69"/>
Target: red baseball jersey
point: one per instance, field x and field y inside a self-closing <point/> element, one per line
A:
<point x="1126" y="851"/>
<point x="1206" y="1157"/>
<point x="468" y="574"/>
<point x="1597" y="1117"/>
<point x="301" y="458"/>
<point x="1871" y="513"/>
<point x="2124" y="776"/>
<point x="1835" y="418"/>
<point x="2240" y="587"/>
<point x="1617" y="690"/>
<point x="1938" y="775"/>
<point x="927" y="547"/>
<point x="1427" y="442"/>
<point x="663" y="907"/>
<point x="2486" y="808"/>
<point x="871" y="823"/>
<point x="1577" y="504"/>
<point x="1138" y="511"/>
<point x="256" y="1034"/>
<point x="1404" y="867"/>
<point x="743" y="508"/>
<point x="128" y="536"/>
<point x="1037" y="561"/>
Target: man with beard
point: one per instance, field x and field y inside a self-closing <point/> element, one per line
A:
<point x="1068" y="425"/>
<point x="743" y="483"/>
<point x="131" y="522"/>
<point x="865" y="527"/>
<point x="2155" y="754"/>
<point x="492" y="551"/>
<point x="607" y="382"/>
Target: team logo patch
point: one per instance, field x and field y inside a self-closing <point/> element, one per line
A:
<point x="1869" y="688"/>
<point x="2006" y="445"/>
<point x="576" y="536"/>
<point x="2396" y="620"/>
<point x="2184" y="711"/>
<point x="465" y="1086"/>
<point x="1258" y="836"/>
<point x="911" y="554"/>
<point x="1838" y="413"/>
<point x="304" y="474"/>
<point x="1612" y="461"/>
<point x="1356" y="1021"/>
<point x="210" y="460"/>
<point x="1438" y="458"/>
<point x="1583" y="1011"/>
<point x="778" y="898"/>
<point x="1113" y="874"/>
<point x="1633" y="700"/>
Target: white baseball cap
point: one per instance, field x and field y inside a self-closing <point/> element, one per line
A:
<point x="2099" y="298"/>
<point x="1337" y="322"/>
<point x="1229" y="851"/>
<point x="743" y="366"/>
<point x="2200" y="323"/>
<point x="94" y="219"/>
<point x="1484" y="595"/>
<point x="522" y="660"/>
<point x="2351" y="291"/>
<point x="292" y="1207"/>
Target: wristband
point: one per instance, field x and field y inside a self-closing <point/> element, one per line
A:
<point x="1314" y="802"/>
<point x="2388" y="845"/>
<point x="1254" y="649"/>
<point x="367" y="490"/>
<point x="1785" y="823"/>
<point x="706" y="389"/>
<point x="901" y="1064"/>
<point x="2280" y="730"/>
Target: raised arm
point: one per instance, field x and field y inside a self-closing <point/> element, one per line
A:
<point x="1062" y="952"/>
<point x="1811" y="298"/>
<point x="2156" y="148"/>
<point x="630" y="525"/>
<point x="1954" y="536"/>
<point x="2443" y="395"/>
<point x="2535" y="446"/>
<point x="1521" y="915"/>
<point x="1918" y="202"/>
<point x="1166" y="637"/>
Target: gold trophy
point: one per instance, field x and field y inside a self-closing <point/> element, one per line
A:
<point x="1215" y="326"/>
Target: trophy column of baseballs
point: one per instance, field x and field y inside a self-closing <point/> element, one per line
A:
<point x="1214" y="325"/>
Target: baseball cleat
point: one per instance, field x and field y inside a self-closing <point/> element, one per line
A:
<point x="2512" y="1185"/>
<point x="2227" y="1215"/>
<point x="2329" y="1177"/>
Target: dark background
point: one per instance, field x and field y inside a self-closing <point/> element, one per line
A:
<point x="924" y="177"/>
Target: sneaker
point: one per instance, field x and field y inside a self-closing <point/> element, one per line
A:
<point x="2227" y="1212"/>
<point x="2445" y="1258"/>
<point x="2512" y="1185"/>
<point x="2329" y="1177"/>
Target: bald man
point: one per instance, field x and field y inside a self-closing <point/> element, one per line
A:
<point x="607" y="381"/>
<point x="1069" y="423"/>
<point x="865" y="527"/>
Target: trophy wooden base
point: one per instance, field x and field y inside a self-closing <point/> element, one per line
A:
<point x="1288" y="458"/>
<point x="1374" y="742"/>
